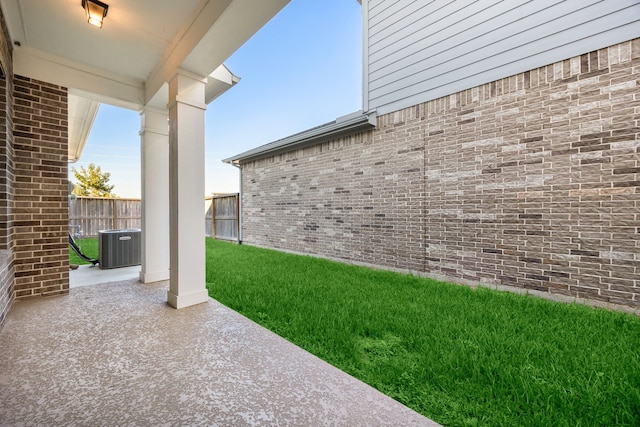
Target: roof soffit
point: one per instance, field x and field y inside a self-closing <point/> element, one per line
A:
<point x="145" y="41"/>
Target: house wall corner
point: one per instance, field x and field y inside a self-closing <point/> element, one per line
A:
<point x="40" y="208"/>
<point x="7" y="293"/>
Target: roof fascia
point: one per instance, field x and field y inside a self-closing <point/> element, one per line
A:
<point x="343" y="126"/>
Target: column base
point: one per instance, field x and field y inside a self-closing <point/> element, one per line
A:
<point x="186" y="300"/>
<point x="154" y="276"/>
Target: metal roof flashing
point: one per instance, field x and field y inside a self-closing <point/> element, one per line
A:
<point x="342" y="126"/>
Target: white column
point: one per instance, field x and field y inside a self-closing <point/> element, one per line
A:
<point x="186" y="190"/>
<point x="154" y="148"/>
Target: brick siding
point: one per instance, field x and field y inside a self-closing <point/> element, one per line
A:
<point x="529" y="183"/>
<point x="41" y="188"/>
<point x="6" y="162"/>
<point x="7" y="294"/>
<point x="6" y="197"/>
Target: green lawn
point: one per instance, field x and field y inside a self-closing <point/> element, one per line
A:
<point x="460" y="356"/>
<point x="89" y="247"/>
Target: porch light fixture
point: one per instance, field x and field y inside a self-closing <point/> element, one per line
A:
<point x="96" y="11"/>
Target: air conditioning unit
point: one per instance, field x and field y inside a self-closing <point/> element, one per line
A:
<point x="119" y="248"/>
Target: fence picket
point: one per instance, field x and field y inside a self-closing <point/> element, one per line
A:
<point x="222" y="217"/>
<point x="93" y="214"/>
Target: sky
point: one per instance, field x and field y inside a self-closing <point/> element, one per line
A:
<point x="302" y="69"/>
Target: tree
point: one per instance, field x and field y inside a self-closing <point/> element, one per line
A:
<point x="92" y="182"/>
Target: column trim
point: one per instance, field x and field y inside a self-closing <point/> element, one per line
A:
<point x="185" y="101"/>
<point x="186" y="300"/>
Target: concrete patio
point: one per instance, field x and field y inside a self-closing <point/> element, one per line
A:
<point x="117" y="354"/>
<point x="86" y="275"/>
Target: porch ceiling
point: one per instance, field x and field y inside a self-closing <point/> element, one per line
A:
<point x="131" y="42"/>
<point x="142" y="44"/>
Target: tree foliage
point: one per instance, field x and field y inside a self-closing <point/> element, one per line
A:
<point x="92" y="182"/>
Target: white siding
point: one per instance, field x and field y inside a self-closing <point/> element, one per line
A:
<point x="417" y="50"/>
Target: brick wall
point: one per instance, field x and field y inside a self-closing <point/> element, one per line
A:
<point x="531" y="182"/>
<point x="6" y="161"/>
<point x="6" y="197"/>
<point x="41" y="189"/>
<point x="7" y="295"/>
<point x="6" y="172"/>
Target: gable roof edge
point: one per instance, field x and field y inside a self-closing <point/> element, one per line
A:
<point x="342" y="126"/>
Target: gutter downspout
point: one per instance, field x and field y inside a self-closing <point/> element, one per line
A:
<point x="239" y="202"/>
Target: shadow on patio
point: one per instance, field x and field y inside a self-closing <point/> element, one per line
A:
<point x="117" y="354"/>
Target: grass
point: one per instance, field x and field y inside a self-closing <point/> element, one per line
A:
<point x="460" y="356"/>
<point x="89" y="247"/>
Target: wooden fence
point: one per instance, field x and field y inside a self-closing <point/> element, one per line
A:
<point x="221" y="216"/>
<point x="93" y="214"/>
